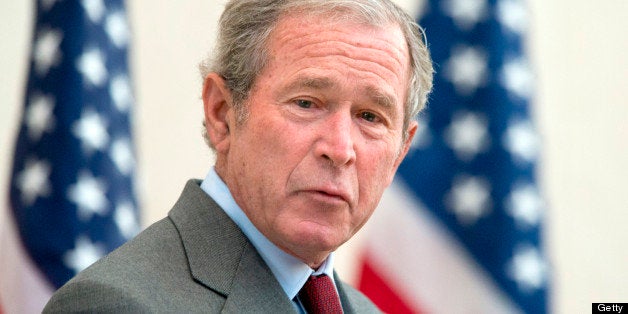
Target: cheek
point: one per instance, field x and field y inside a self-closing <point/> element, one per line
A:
<point x="261" y="142"/>
<point x="269" y="151"/>
<point x="377" y="167"/>
<point x="375" y="174"/>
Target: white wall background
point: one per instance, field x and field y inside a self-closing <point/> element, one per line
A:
<point x="579" y="48"/>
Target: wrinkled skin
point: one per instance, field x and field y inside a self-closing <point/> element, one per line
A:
<point x="323" y="137"/>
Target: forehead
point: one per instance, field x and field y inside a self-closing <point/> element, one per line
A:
<point x="311" y="42"/>
<point x="381" y="36"/>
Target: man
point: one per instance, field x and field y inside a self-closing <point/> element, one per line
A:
<point x="309" y="107"/>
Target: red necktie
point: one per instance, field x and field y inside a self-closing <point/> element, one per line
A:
<point x="319" y="296"/>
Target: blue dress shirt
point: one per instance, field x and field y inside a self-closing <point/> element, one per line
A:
<point x="289" y="271"/>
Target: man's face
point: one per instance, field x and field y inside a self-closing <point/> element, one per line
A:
<point x="323" y="137"/>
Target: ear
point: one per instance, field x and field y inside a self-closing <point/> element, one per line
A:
<point x="218" y="111"/>
<point x="412" y="127"/>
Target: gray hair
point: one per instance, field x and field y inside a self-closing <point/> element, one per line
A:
<point x="245" y="26"/>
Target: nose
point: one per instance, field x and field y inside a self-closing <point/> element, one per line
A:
<point x="336" y="142"/>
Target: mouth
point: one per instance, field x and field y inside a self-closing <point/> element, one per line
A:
<point x="329" y="195"/>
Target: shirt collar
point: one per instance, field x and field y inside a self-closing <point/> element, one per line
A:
<point x="289" y="271"/>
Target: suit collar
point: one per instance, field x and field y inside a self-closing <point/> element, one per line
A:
<point x="221" y="258"/>
<point x="345" y="299"/>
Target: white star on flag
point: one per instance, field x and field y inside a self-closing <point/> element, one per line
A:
<point x="513" y="14"/>
<point x="522" y="141"/>
<point x="83" y="255"/>
<point x="89" y="196"/>
<point x="469" y="198"/>
<point x="46" y="53"/>
<point x="525" y="205"/>
<point x="39" y="118"/>
<point x="467" y="69"/>
<point x="91" y="64"/>
<point x="33" y="181"/>
<point x="125" y="220"/>
<point x="465" y="13"/>
<point x="517" y="78"/>
<point x="122" y="155"/>
<point x="468" y="135"/>
<point x="121" y="92"/>
<point x="117" y="29"/>
<point x="528" y="269"/>
<point x="91" y="129"/>
<point x="95" y="10"/>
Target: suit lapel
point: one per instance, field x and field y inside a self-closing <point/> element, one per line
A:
<point x="222" y="258"/>
<point x="255" y="289"/>
<point x="345" y="298"/>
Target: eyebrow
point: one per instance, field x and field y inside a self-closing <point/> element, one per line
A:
<point x="381" y="98"/>
<point x="316" y="83"/>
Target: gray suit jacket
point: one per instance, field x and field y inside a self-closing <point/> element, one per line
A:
<point x="195" y="260"/>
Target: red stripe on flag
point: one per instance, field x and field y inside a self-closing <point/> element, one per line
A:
<point x="374" y="286"/>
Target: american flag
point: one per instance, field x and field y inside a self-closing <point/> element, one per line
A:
<point x="460" y="229"/>
<point x="72" y="195"/>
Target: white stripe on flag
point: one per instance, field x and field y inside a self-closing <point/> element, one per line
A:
<point x="23" y="289"/>
<point x="413" y="251"/>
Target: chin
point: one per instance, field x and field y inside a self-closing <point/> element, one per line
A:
<point x="319" y="238"/>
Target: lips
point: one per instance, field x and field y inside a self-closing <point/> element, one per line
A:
<point x="329" y="194"/>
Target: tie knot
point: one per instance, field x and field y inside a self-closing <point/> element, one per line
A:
<point x="319" y="296"/>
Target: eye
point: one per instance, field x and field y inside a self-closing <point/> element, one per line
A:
<point x="305" y="104"/>
<point x="369" y="116"/>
